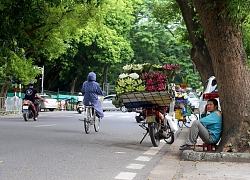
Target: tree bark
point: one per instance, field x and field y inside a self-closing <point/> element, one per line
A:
<point x="5" y="87"/>
<point x="199" y="52"/>
<point x="224" y="42"/>
<point x="73" y="84"/>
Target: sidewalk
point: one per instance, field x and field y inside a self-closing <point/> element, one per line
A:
<point x="191" y="165"/>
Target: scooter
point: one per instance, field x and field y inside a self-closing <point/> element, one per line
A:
<point x="80" y="107"/>
<point x="28" y="110"/>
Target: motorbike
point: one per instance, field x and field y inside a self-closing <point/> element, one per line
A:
<point x="158" y="125"/>
<point x="80" y="107"/>
<point x="28" y="110"/>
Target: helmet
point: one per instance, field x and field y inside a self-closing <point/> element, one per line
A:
<point x="79" y="93"/>
<point x="31" y="83"/>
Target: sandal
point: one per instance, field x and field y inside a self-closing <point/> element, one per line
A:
<point x="187" y="147"/>
<point x="183" y="145"/>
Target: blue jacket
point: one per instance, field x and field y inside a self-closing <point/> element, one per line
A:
<point x="213" y="123"/>
<point x="91" y="89"/>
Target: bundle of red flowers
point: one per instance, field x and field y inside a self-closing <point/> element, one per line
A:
<point x="155" y="81"/>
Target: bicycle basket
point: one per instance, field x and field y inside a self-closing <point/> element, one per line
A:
<point x="178" y="114"/>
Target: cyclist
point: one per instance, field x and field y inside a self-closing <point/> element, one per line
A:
<point x="30" y="94"/>
<point x="91" y="89"/>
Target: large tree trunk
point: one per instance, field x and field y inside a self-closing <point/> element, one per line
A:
<point x="5" y="87"/>
<point x="199" y="53"/>
<point x="224" y="42"/>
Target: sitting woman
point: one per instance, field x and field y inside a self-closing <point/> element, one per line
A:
<point x="208" y="128"/>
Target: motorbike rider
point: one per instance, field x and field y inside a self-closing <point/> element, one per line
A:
<point x="91" y="89"/>
<point x="30" y="94"/>
<point x="79" y="98"/>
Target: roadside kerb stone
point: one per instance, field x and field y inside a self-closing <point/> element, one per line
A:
<point x="190" y="155"/>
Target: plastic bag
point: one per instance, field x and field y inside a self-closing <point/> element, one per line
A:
<point x="172" y="123"/>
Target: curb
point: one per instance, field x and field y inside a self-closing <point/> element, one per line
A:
<point x="190" y="155"/>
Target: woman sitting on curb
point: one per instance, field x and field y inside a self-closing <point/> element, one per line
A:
<point x="208" y="128"/>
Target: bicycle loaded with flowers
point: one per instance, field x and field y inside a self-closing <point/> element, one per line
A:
<point x="151" y="88"/>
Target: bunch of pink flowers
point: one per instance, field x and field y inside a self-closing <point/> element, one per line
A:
<point x="155" y="81"/>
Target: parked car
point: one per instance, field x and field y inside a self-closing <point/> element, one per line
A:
<point x="210" y="92"/>
<point x="193" y="99"/>
<point x="48" y="103"/>
<point x="108" y="106"/>
<point x="107" y="103"/>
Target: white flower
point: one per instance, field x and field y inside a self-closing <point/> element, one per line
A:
<point x="134" y="75"/>
<point x="137" y="67"/>
<point x="123" y="75"/>
<point x="127" y="67"/>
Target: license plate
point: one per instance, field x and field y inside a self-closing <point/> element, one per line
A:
<point x="150" y="119"/>
<point x="25" y="107"/>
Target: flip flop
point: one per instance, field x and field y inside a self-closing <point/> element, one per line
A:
<point x="183" y="145"/>
<point x="187" y="147"/>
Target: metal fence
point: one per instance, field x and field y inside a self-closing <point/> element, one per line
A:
<point x="11" y="104"/>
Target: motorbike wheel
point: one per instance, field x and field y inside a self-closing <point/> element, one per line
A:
<point x="80" y="112"/>
<point x="97" y="124"/>
<point x="26" y="116"/>
<point x="154" y="133"/>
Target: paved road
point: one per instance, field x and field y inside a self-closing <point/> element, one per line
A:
<point x="56" y="147"/>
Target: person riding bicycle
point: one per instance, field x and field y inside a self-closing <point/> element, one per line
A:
<point x="30" y="94"/>
<point x="79" y="98"/>
<point x="91" y="89"/>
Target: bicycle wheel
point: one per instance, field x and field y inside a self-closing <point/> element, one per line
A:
<point x="190" y="119"/>
<point x="180" y="123"/>
<point x="170" y="135"/>
<point x="87" y="121"/>
<point x="154" y="133"/>
<point x="97" y="123"/>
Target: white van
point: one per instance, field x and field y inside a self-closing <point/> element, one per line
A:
<point x="210" y="92"/>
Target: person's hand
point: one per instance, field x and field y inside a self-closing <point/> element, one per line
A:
<point x="205" y="110"/>
<point x="103" y="93"/>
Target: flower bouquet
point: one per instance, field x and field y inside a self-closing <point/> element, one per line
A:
<point x="157" y="67"/>
<point x="155" y="81"/>
<point x="167" y="69"/>
<point x="146" y="67"/>
<point x="137" y="68"/>
<point x="129" y="83"/>
<point x="127" y="68"/>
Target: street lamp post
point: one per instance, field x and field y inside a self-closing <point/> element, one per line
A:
<point x="42" y="69"/>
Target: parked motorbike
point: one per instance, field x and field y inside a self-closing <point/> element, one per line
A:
<point x="28" y="110"/>
<point x="158" y="126"/>
<point x="80" y="107"/>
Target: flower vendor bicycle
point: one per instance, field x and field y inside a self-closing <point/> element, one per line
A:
<point x="186" y="120"/>
<point x="90" y="119"/>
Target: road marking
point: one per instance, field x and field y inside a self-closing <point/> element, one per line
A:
<point x="135" y="166"/>
<point x="143" y="158"/>
<point x="46" y="125"/>
<point x="125" y="176"/>
<point x="120" y="152"/>
<point x="154" y="150"/>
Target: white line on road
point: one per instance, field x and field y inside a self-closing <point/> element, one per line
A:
<point x="154" y="150"/>
<point x="48" y="125"/>
<point x="143" y="158"/>
<point x="125" y="176"/>
<point x="135" y="166"/>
